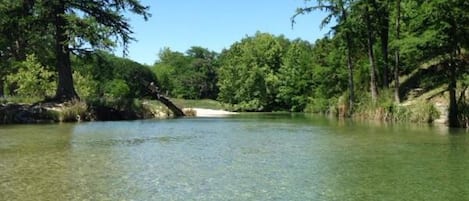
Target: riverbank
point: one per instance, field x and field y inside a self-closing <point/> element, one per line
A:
<point x="422" y="110"/>
<point x="104" y="110"/>
<point x="76" y="111"/>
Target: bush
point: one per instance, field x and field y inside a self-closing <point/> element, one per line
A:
<point x="32" y="79"/>
<point x="424" y="113"/>
<point x="99" y="71"/>
<point x="322" y="105"/>
<point x="249" y="106"/>
<point x="85" y="85"/>
<point x="116" y="88"/>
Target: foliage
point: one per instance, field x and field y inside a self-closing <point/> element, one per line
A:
<point x="86" y="86"/>
<point x="116" y="88"/>
<point x="31" y="79"/>
<point x="191" y="76"/>
<point x="101" y="71"/>
<point x="322" y="105"/>
<point x="262" y="72"/>
<point x="65" y="26"/>
<point x="296" y="76"/>
<point x="20" y="99"/>
<point x="423" y="113"/>
<point x="328" y="62"/>
<point x="248" y="75"/>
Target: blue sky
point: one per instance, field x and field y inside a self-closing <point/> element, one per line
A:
<point x="215" y="24"/>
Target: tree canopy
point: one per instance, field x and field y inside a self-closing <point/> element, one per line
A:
<point x="65" y="26"/>
<point x="347" y="72"/>
<point x="192" y="75"/>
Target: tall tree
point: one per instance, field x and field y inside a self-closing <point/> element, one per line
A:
<point x="370" y="43"/>
<point x="439" y="29"/>
<point x="248" y="72"/>
<point x="86" y="23"/>
<point x="381" y="8"/>
<point x="204" y="64"/>
<point x="397" y="54"/>
<point x="15" y="27"/>
<point x="191" y="76"/>
<point x="16" y="30"/>
<point x="170" y="69"/>
<point x="295" y="75"/>
<point x="339" y="10"/>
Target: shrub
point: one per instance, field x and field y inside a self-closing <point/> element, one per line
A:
<point x="424" y="113"/>
<point x="322" y="105"/>
<point x="85" y="85"/>
<point x="116" y="88"/>
<point x="32" y="79"/>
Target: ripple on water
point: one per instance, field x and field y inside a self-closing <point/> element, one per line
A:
<point x="136" y="141"/>
<point x="237" y="158"/>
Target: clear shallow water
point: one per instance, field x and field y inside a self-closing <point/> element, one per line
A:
<point x="244" y="157"/>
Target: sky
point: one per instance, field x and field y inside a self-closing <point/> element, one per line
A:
<point x="215" y="24"/>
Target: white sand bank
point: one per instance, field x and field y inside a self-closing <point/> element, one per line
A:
<point x="201" y="112"/>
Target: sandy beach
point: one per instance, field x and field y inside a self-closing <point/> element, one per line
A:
<point x="201" y="112"/>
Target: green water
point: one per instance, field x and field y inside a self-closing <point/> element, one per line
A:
<point x="244" y="157"/>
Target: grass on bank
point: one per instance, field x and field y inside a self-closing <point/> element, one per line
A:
<point x="419" y="110"/>
<point x="20" y="100"/>
<point x="385" y="109"/>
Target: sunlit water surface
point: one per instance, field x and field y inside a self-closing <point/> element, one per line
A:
<point x="243" y="157"/>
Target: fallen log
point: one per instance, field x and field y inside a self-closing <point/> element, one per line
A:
<point x="154" y="91"/>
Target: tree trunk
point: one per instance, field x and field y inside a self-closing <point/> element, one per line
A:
<point x="384" y="49"/>
<point x="156" y="93"/>
<point x="371" y="56"/>
<point x="1" y="88"/>
<point x="453" y="105"/>
<point x="171" y="106"/>
<point x="384" y="36"/>
<point x="350" y="75"/>
<point x="65" y="89"/>
<point x="349" y="66"/>
<point x="397" y="97"/>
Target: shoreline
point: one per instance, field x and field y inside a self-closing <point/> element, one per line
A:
<point x="203" y="112"/>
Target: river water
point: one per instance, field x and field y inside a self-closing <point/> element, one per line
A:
<point x="242" y="157"/>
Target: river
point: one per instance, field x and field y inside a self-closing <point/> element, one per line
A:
<point x="242" y="157"/>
